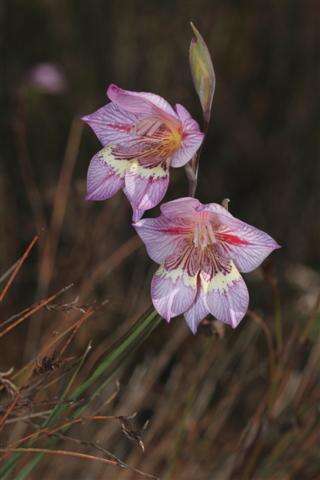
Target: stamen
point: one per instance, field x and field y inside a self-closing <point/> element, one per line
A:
<point x="155" y="141"/>
<point x="203" y="231"/>
<point x="211" y="233"/>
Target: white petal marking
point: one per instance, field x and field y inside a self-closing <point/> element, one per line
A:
<point x="119" y="166"/>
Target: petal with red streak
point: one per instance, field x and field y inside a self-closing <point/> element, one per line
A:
<point x="161" y="237"/>
<point x="111" y="124"/>
<point x="246" y="245"/>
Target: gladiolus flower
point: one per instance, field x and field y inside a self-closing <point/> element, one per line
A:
<point x="142" y="136"/>
<point x="201" y="249"/>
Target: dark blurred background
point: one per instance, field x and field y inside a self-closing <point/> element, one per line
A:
<point x="261" y="150"/>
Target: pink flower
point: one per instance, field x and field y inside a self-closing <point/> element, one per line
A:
<point x="48" y="78"/>
<point x="201" y="249"/>
<point x="142" y="136"/>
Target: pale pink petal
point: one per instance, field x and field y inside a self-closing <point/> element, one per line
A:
<point x="184" y="208"/>
<point x="215" y="208"/>
<point x="189" y="146"/>
<point x="249" y="256"/>
<point x="197" y="312"/>
<point x="141" y="103"/>
<point x="192" y="138"/>
<point x="247" y="246"/>
<point x="145" y="187"/>
<point x="105" y="175"/>
<point x="158" y="101"/>
<point x="161" y="237"/>
<point x="184" y="115"/>
<point x="172" y="292"/>
<point x="111" y="124"/>
<point x="226" y="296"/>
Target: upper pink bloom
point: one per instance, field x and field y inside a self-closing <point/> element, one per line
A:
<point x="142" y="136"/>
<point x="201" y="249"/>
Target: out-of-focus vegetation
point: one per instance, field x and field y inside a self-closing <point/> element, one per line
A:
<point x="222" y="404"/>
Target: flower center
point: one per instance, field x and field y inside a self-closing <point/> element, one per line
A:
<point x="203" y="234"/>
<point x="153" y="142"/>
<point x="174" y="140"/>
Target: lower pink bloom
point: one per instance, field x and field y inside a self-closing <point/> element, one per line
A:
<point x="201" y="249"/>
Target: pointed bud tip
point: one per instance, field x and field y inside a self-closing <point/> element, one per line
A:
<point x="202" y="71"/>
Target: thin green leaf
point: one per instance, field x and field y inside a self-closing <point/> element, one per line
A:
<point x="110" y="362"/>
<point x="24" y="472"/>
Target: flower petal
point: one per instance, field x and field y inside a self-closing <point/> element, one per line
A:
<point x="158" y="101"/>
<point x="145" y="187"/>
<point x="183" y="208"/>
<point x="215" y="208"/>
<point x="111" y="124"/>
<point x="185" y="116"/>
<point x="197" y="312"/>
<point x="191" y="139"/>
<point x="140" y="103"/>
<point x="172" y="292"/>
<point x="105" y="175"/>
<point x="247" y="246"/>
<point x="226" y="295"/>
<point x="161" y="237"/>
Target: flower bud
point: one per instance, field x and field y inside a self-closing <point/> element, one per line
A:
<point x="202" y="72"/>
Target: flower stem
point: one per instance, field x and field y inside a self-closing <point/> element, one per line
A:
<point x="192" y="167"/>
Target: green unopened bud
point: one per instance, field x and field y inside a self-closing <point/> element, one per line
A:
<point x="202" y="72"/>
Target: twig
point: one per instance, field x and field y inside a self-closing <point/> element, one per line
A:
<point x="16" y="315"/>
<point x="35" y="309"/>
<point x="43" y="414"/>
<point x="9" y="410"/>
<point x="98" y="447"/>
<point x="65" y="453"/>
<point x="59" y="205"/>
<point x="67" y="424"/>
<point x="48" y="347"/>
<point x="17" y="267"/>
<point x="75" y="330"/>
<point x="7" y="272"/>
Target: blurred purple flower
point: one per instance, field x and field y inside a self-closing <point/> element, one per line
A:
<point x="47" y="77"/>
<point x="142" y="136"/>
<point x="201" y="249"/>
